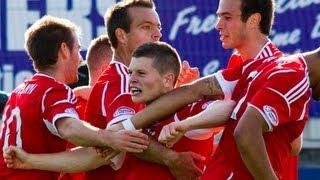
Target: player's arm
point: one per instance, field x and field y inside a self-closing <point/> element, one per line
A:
<point x="214" y="115"/>
<point x="296" y="145"/>
<point x="179" y="164"/>
<point x="83" y="134"/>
<point x="61" y="119"/>
<point x="171" y="102"/>
<point x="312" y="60"/>
<point x="249" y="139"/>
<point x="75" y="160"/>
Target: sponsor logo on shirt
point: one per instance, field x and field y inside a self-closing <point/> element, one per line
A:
<point x="252" y="75"/>
<point x="123" y="110"/>
<point x="271" y="114"/>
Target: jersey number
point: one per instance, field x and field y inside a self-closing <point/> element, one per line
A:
<point x="15" y="115"/>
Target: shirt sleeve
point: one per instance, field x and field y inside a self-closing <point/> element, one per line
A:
<point x="284" y="97"/>
<point x="194" y="109"/>
<point x="57" y="103"/>
<point x="227" y="79"/>
<point x="121" y="109"/>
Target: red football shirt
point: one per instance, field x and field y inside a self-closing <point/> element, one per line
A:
<point x="259" y="83"/>
<point x="198" y="141"/>
<point x="80" y="107"/>
<point x="29" y="122"/>
<point x="110" y="102"/>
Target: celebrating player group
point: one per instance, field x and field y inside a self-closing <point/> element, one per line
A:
<point x="147" y="115"/>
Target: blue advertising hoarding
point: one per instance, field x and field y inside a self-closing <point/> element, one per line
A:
<point x="188" y="25"/>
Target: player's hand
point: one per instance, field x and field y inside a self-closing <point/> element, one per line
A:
<point x="16" y="158"/>
<point x="127" y="140"/>
<point x="107" y="153"/>
<point x="171" y="133"/>
<point x="183" y="166"/>
<point x="187" y="74"/>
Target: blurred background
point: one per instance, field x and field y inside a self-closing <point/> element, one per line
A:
<point x="188" y="25"/>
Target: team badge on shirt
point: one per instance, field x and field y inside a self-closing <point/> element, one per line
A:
<point x="71" y="111"/>
<point x="271" y="114"/>
<point x="123" y="110"/>
<point x="206" y="104"/>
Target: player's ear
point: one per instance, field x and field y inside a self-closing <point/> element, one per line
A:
<point x="121" y="36"/>
<point x="254" y="21"/>
<point x="64" y="51"/>
<point x="169" y="80"/>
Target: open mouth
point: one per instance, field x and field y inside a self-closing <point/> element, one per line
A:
<point x="135" y="91"/>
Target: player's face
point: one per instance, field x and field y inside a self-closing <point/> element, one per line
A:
<point x="232" y="30"/>
<point x="74" y="62"/>
<point x="146" y="84"/>
<point x="145" y="27"/>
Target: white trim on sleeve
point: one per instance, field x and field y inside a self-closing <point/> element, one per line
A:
<point x="226" y="86"/>
<point x="263" y="115"/>
<point x="52" y="126"/>
<point x="118" y="119"/>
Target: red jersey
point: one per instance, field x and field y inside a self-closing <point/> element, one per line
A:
<point x="80" y="107"/>
<point x="110" y="102"/>
<point x="258" y="83"/>
<point x="198" y="141"/>
<point x="29" y="122"/>
<point x="291" y="170"/>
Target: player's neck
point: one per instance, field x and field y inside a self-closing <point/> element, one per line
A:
<point x="122" y="55"/>
<point x="54" y="74"/>
<point x="252" y="47"/>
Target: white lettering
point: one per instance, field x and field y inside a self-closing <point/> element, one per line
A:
<point x="78" y="14"/>
<point x="9" y="80"/>
<point x="286" y="38"/>
<point x="7" y="77"/>
<point x="284" y="5"/>
<point x="21" y="76"/>
<point x="316" y="29"/>
<point x="28" y="89"/>
<point x="18" y="19"/>
<point x="211" y="67"/>
<point x="209" y="23"/>
<point x="194" y="24"/>
<point x="180" y="20"/>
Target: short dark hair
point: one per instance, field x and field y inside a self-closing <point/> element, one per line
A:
<point x="99" y="47"/>
<point x="43" y="40"/>
<point x="165" y="57"/>
<point x="118" y="17"/>
<point x="264" y="7"/>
